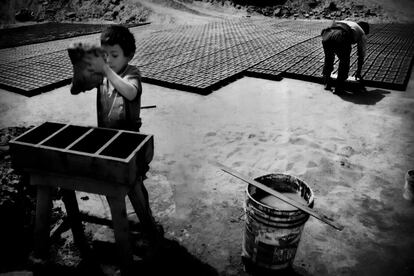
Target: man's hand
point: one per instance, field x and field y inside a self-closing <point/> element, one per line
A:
<point x="358" y="77"/>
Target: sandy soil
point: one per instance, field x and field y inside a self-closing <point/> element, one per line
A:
<point x="166" y="15"/>
<point x="353" y="151"/>
<point x="176" y="12"/>
<point x="392" y="11"/>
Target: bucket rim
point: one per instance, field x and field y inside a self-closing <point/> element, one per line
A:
<point x="311" y="198"/>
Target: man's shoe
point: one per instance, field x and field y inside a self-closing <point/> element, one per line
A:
<point x="339" y="90"/>
<point x="363" y="89"/>
<point x="328" y="83"/>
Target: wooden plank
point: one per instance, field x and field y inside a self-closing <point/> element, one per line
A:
<point x="51" y="136"/>
<point x="72" y="211"/>
<point x="76" y="183"/>
<point x="41" y="231"/>
<point x="80" y="138"/>
<point x="108" y="143"/>
<point x="148" y="106"/>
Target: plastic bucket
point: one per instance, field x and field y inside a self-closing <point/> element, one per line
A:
<point x="271" y="235"/>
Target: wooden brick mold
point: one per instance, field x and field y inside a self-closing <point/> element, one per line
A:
<point x="109" y="155"/>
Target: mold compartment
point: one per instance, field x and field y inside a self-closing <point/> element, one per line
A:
<point x="92" y="142"/>
<point x="66" y="137"/>
<point x="123" y="145"/>
<point x="40" y="133"/>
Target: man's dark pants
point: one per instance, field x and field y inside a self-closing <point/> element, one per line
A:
<point x="336" y="42"/>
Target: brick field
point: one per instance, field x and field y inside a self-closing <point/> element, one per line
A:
<point x="202" y="58"/>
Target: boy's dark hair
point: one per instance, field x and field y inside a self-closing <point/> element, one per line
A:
<point x="365" y="26"/>
<point x="117" y="34"/>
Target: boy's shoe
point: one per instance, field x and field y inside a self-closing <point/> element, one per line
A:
<point x="150" y="244"/>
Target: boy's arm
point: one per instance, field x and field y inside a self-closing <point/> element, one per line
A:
<point x="123" y="86"/>
<point x="127" y="89"/>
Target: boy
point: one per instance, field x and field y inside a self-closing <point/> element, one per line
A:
<point x="119" y="100"/>
<point x="338" y="39"/>
<point x="119" y="95"/>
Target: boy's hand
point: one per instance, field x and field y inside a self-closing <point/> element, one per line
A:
<point x="96" y="63"/>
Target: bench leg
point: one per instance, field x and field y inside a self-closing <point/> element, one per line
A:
<point x="72" y="210"/>
<point x="41" y="232"/>
<point x="121" y="231"/>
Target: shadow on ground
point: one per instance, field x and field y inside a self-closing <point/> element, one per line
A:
<point x="172" y="259"/>
<point x="371" y="97"/>
<point x="253" y="270"/>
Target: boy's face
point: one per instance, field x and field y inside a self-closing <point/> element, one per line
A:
<point x="115" y="57"/>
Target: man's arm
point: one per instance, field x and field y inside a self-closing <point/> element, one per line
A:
<point x="361" y="55"/>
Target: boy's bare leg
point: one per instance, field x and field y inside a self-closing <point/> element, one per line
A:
<point x="143" y="211"/>
<point x="141" y="207"/>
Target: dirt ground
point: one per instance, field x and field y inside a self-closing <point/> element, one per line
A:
<point x="352" y="150"/>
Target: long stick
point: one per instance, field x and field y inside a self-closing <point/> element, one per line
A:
<point x="282" y="197"/>
<point x="148" y="106"/>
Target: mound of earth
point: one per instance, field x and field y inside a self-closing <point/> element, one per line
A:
<point x="190" y="11"/>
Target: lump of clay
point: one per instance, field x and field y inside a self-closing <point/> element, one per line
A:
<point x="83" y="79"/>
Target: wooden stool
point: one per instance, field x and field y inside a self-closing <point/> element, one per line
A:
<point x="90" y="159"/>
<point x="46" y="182"/>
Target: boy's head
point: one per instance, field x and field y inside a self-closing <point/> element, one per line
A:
<point x="364" y="26"/>
<point x="119" y="44"/>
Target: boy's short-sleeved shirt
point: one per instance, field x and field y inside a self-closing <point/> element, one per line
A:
<point x="114" y="110"/>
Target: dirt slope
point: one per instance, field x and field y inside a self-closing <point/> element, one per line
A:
<point x="194" y="12"/>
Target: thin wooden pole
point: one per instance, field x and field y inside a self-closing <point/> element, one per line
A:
<point x="148" y="106"/>
<point x="282" y="197"/>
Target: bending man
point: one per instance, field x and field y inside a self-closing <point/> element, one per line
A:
<point x="338" y="40"/>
